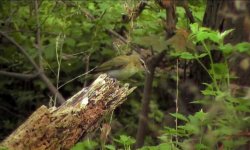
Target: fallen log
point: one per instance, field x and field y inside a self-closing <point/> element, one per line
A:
<point x="61" y="127"/>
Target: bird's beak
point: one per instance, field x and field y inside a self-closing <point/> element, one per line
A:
<point x="144" y="65"/>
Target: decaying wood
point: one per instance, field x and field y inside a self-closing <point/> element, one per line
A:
<point x="61" y="128"/>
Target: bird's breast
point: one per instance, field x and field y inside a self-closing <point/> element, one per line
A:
<point x="122" y="74"/>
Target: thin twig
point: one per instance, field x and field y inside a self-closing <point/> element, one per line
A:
<point x="177" y="97"/>
<point x="19" y="75"/>
<point x="58" y="60"/>
<point x="76" y="78"/>
<point x="11" y="112"/>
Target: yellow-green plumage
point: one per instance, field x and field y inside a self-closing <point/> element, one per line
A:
<point x="121" y="67"/>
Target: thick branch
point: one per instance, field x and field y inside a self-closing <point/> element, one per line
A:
<point x="62" y="127"/>
<point x="41" y="74"/>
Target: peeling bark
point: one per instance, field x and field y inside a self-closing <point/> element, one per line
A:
<point x="60" y="128"/>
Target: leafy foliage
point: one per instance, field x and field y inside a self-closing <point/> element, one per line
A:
<point x="88" y="145"/>
<point x="73" y="31"/>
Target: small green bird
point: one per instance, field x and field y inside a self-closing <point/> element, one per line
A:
<point x="122" y="67"/>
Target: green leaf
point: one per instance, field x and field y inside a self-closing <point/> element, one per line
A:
<point x="243" y="108"/>
<point x="214" y="36"/>
<point x="86" y="26"/>
<point x="86" y="145"/>
<point x="194" y="27"/>
<point x="70" y="42"/>
<point x="208" y="92"/>
<point x="190" y="128"/>
<point x="187" y="55"/>
<point x="207" y="34"/>
<point x="221" y="70"/>
<point x="81" y="44"/>
<point x="201" y="36"/>
<point x="243" y="47"/>
<point x="179" y="116"/>
<point x="91" y="6"/>
<point x="149" y="148"/>
<point x="226" y="49"/>
<point x="76" y="32"/>
<point x="50" y="51"/>
<point x="3" y="148"/>
<point x="226" y="130"/>
<point x="126" y="140"/>
<point x="110" y="147"/>
<point x="201" y="55"/>
<point x="201" y="146"/>
<point x="165" y="146"/>
<point x="200" y="115"/>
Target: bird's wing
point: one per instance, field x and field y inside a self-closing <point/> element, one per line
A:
<point x="113" y="64"/>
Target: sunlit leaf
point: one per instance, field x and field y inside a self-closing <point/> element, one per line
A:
<point x="201" y="146"/>
<point x="187" y="55"/>
<point x="194" y="27"/>
<point x="179" y="116"/>
<point x="200" y="115"/>
<point x="225" y="33"/>
<point x="201" y="55"/>
<point x="126" y="140"/>
<point x="110" y="147"/>
<point x="86" y="145"/>
<point x="165" y="146"/>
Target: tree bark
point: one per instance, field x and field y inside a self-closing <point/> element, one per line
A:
<point x="60" y="128"/>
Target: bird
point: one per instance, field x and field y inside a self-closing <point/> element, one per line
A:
<point x="122" y="67"/>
